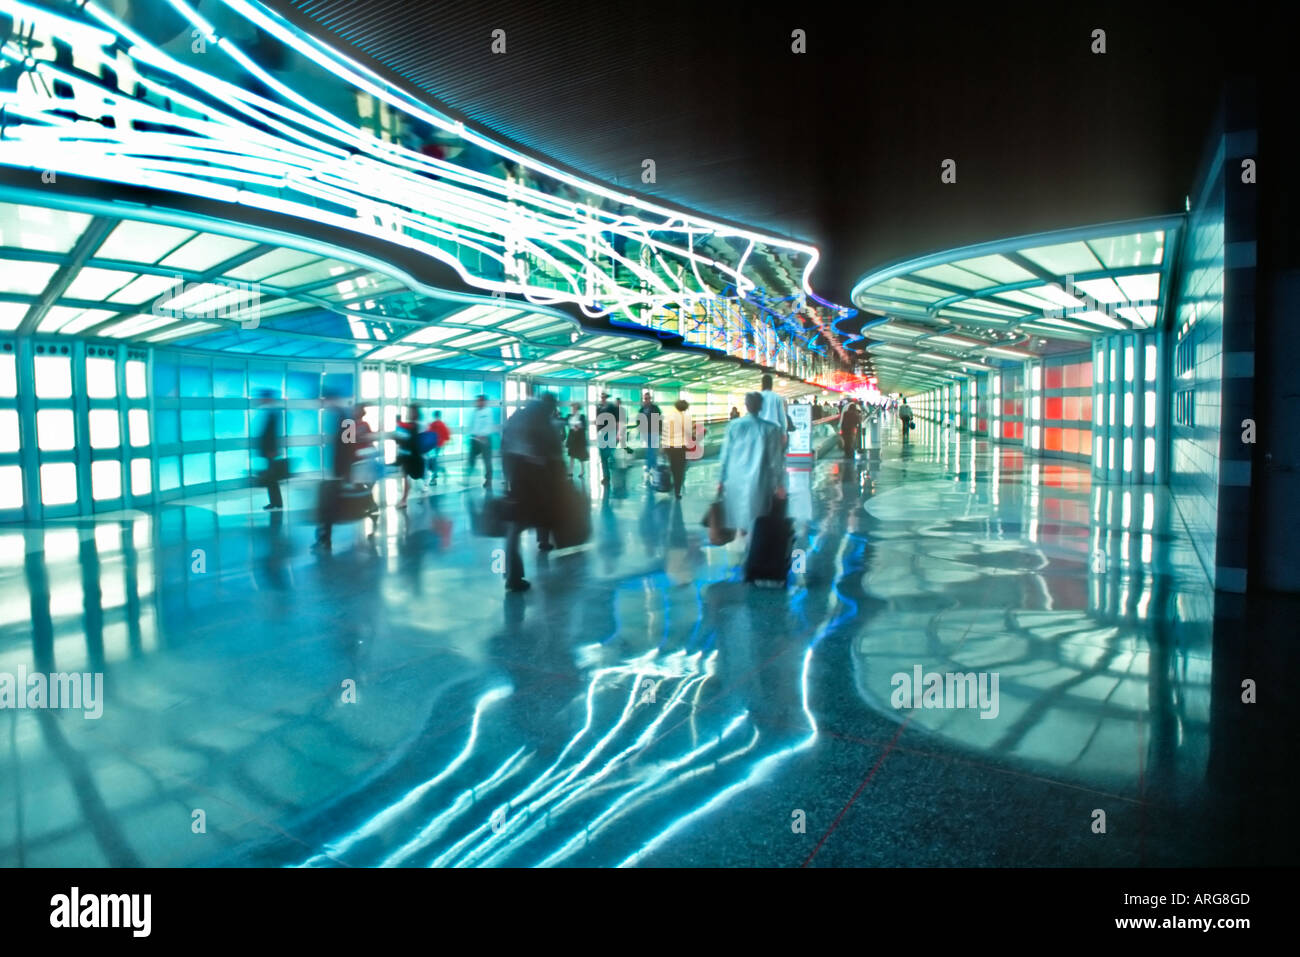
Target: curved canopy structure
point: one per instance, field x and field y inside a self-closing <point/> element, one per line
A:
<point x="238" y="112"/>
<point x="931" y="319"/>
<point x="69" y="273"/>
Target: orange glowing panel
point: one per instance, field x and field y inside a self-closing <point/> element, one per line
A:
<point x="1052" y="439"/>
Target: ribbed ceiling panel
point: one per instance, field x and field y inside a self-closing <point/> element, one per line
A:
<point x="600" y="88"/>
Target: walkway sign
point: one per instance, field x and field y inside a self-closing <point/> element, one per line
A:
<point x="801" y="438"/>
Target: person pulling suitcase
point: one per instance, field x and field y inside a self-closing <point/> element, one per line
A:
<point x="753" y="479"/>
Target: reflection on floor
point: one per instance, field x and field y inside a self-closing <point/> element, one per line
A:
<point x="389" y="705"/>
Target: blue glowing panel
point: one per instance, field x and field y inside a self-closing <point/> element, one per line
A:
<point x="196" y="382"/>
<point x="227" y="383"/>
<point x="229" y="424"/>
<point x="303" y="385"/>
<point x="196" y="426"/>
<point x="198" y="468"/>
<point x="165" y="378"/>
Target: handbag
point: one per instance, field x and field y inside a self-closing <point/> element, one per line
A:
<point x="716" y="522"/>
<point x="496" y="514"/>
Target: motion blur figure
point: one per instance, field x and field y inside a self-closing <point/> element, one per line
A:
<point x="576" y="442"/>
<point x="268" y="447"/>
<point x="481" y="427"/>
<point x="340" y="431"/>
<point x="532" y="456"/>
<point x="607" y="430"/>
<point x="409" y="459"/>
<point x="678" y="438"/>
<point x="753" y="468"/>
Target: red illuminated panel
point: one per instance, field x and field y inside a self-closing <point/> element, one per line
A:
<point x="1053" y="409"/>
<point x="1052" y="439"/>
<point x="1085" y="409"/>
<point x="1071" y="408"/>
<point x="1053" y="377"/>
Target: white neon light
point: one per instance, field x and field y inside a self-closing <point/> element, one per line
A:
<point x="312" y="157"/>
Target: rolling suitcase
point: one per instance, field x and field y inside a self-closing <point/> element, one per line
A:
<point x="571" y="520"/>
<point x="771" y="547"/>
<point x="355" y="502"/>
<point x="661" y="479"/>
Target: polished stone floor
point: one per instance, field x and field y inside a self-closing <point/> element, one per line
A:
<point x="388" y="704"/>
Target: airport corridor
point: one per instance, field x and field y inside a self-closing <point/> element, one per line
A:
<point x="386" y="704"/>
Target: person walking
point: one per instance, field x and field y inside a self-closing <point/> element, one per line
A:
<point x="533" y="460"/>
<point x="622" y="423"/>
<point x="753" y="471"/>
<point x="575" y="440"/>
<point x="481" y="427"/>
<point x="340" y="430"/>
<point x="607" y="435"/>
<point x="409" y="459"/>
<point x="441" y="436"/>
<point x="850" y="422"/>
<point x="647" y="421"/>
<point x="678" y="436"/>
<point x="268" y="447"/>
<point x="905" y="417"/>
<point x="774" y="408"/>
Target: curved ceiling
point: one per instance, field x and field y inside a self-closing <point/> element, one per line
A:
<point x="66" y="273"/>
<point x="928" y="320"/>
<point x="840" y="145"/>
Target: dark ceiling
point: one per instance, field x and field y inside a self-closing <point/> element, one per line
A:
<point x="841" y="145"/>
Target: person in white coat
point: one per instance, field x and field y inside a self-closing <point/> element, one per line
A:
<point x="753" y="467"/>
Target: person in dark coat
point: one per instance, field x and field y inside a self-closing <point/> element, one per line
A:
<point x="850" y="422"/>
<point x="341" y="430"/>
<point x="575" y="440"/>
<point x="268" y="447"/>
<point x="533" y="458"/>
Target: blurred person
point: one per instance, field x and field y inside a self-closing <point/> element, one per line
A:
<point x="409" y="459"/>
<point x="576" y="442"/>
<point x="647" y="421"/>
<point x="481" y="427"/>
<point x="533" y="460"/>
<point x="607" y="429"/>
<point x="340" y="433"/>
<point x="268" y="447"/>
<point x="735" y="413"/>
<point x="905" y="416"/>
<point x="441" y="436"/>
<point x="774" y="408"/>
<point x="753" y="472"/>
<point x="850" y="423"/>
<point x="622" y="423"/>
<point x="678" y="436"/>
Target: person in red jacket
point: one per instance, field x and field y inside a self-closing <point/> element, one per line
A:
<point x="442" y="435"/>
